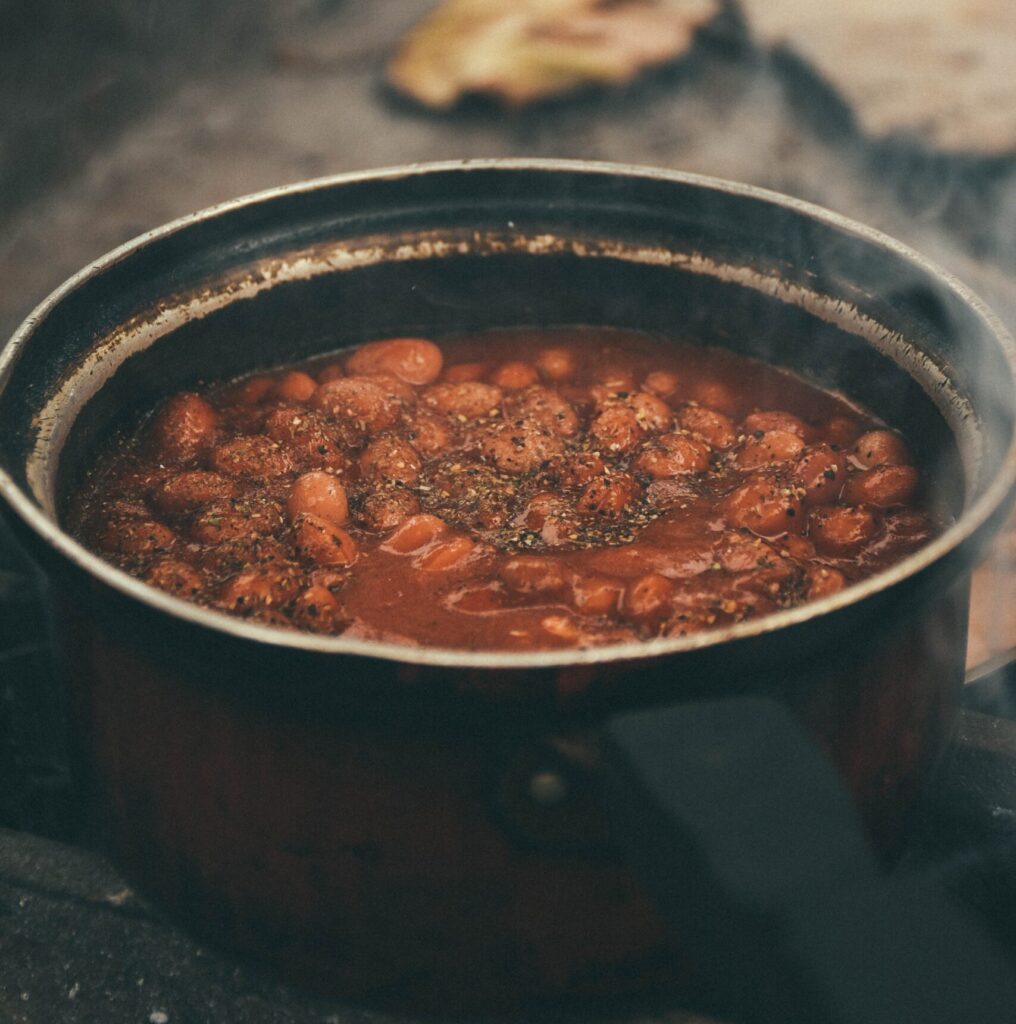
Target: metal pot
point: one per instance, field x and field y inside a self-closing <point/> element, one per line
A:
<point x="428" y="823"/>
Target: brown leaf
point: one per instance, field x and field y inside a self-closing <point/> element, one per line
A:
<point x="522" y="51"/>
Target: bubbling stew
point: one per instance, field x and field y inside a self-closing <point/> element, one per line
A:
<point x="506" y="490"/>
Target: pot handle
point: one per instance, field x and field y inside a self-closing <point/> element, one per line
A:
<point x="746" y="839"/>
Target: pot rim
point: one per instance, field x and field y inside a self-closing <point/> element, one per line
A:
<point x="970" y="521"/>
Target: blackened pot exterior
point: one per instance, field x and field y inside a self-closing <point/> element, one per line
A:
<point x="427" y="824"/>
<point x="409" y="852"/>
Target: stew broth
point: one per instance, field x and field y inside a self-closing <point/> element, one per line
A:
<point x="506" y="490"/>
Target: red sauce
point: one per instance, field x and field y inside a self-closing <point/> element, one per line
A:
<point x="507" y="490"/>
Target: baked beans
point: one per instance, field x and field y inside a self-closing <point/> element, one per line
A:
<point x="507" y="490"/>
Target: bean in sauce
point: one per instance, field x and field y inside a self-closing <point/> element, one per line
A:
<point x="506" y="490"/>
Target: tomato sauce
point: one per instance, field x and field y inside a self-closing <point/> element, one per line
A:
<point x="506" y="490"/>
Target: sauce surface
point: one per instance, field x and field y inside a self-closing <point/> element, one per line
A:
<point x="506" y="490"/>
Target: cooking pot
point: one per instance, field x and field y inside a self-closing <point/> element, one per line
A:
<point x="427" y="823"/>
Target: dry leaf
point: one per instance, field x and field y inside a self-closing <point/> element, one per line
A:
<point x="522" y="51"/>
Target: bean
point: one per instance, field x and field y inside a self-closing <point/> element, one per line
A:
<point x="474" y="493"/>
<point x="286" y="579"/>
<point x="137" y="537"/>
<point x="259" y="588"/>
<point x="386" y="509"/>
<point x="477" y="600"/>
<point x="563" y="628"/>
<point x="823" y="581"/>
<point x="772" y="446"/>
<point x="618" y="390"/>
<point x="358" y="402"/>
<point x="268" y="616"/>
<point x="318" y="610"/>
<point x="777" y="420"/>
<point x="535" y="575"/>
<point x="390" y="459"/>
<point x="228" y="521"/>
<point x="797" y="547"/>
<point x="647" y="599"/>
<point x="558" y="531"/>
<point x="880" y="448"/>
<point x="519" y="449"/>
<point x="597" y="595"/>
<point x="247" y="419"/>
<point x="183" y="429"/>
<point x="330" y="579"/>
<point x="670" y="491"/>
<point x="883" y="486"/>
<point x="428" y="433"/>
<point x="138" y="483"/>
<point x="841" y="431"/>
<point x="709" y="424"/>
<point x="251" y="456"/>
<point x="319" y="541"/>
<point x="609" y="496"/>
<point x="908" y="524"/>
<point x="652" y="413"/>
<point x="177" y="578"/>
<point x="742" y="555"/>
<point x="662" y="383"/>
<point x="289" y="425"/>
<point x="577" y="468"/>
<point x="189" y="491"/>
<point x="765" y="508"/>
<point x="470" y="400"/>
<point x="237" y="554"/>
<point x="250" y="391"/>
<point x="556" y="364"/>
<point x="307" y="438"/>
<point x="320" y="494"/>
<point x="320" y="453"/>
<point x="673" y="455"/>
<point x="819" y="473"/>
<point x="218" y="525"/>
<point x="715" y="394"/>
<point x="552" y="516"/>
<point x="541" y="506"/>
<point x="415" y="533"/>
<point x="545" y="407"/>
<point x="393" y="387"/>
<point x="413" y="360"/>
<point x="513" y="376"/>
<point x="841" y="530"/>
<point x="445" y="554"/>
<point x="617" y="429"/>
<point x="462" y="373"/>
<point x="295" y="386"/>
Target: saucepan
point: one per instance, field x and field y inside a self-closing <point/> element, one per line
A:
<point x="379" y="819"/>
